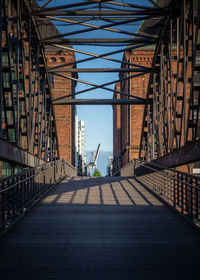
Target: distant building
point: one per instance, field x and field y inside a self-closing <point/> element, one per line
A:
<point x="80" y="144"/>
<point x="110" y="166"/>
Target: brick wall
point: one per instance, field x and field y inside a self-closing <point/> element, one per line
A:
<point x="64" y="114"/>
<point x="117" y="130"/>
<point x="131" y="116"/>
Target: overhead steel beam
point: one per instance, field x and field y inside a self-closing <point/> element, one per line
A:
<point x="123" y="4"/>
<point x="98" y="70"/>
<point x="45" y="4"/>
<point x="99" y="18"/>
<point x="86" y="83"/>
<point x="92" y="13"/>
<point x="100" y="40"/>
<point x="13" y="154"/>
<point x="98" y="86"/>
<point x="93" y="27"/>
<point x="95" y="56"/>
<point x="153" y="3"/>
<point x="99" y="102"/>
<point x="184" y="155"/>
<point x="61" y="7"/>
<point x="92" y="2"/>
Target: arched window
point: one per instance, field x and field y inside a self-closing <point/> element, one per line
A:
<point x="52" y="59"/>
<point x="62" y="59"/>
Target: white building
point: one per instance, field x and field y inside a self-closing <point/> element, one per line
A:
<point x="80" y="141"/>
<point x="81" y="137"/>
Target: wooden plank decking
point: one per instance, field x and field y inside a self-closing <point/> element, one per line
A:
<point x="105" y="228"/>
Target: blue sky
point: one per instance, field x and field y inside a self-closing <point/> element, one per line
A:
<point x="98" y="119"/>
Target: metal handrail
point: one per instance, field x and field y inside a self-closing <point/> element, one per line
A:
<point x="12" y="186"/>
<point x="168" y="175"/>
<point x="178" y="189"/>
<point x="18" y="197"/>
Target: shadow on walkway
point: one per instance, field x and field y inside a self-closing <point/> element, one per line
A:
<point x="101" y="191"/>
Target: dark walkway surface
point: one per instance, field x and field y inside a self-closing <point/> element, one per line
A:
<point x="106" y="228"/>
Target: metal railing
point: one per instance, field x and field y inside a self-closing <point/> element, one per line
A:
<point x="18" y="193"/>
<point x="180" y="190"/>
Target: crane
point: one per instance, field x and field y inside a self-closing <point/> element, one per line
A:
<point x="93" y="160"/>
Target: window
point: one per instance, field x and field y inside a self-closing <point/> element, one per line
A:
<point x="52" y="59"/>
<point x="62" y="59"/>
<point x="4" y="57"/>
<point x="197" y="79"/>
<point x="20" y="81"/>
<point x="6" y="80"/>
<point x="51" y="77"/>
<point x="198" y="57"/>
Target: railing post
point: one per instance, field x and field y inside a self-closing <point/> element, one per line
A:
<point x="197" y="199"/>
<point x="182" y="200"/>
<point x="2" y="207"/>
<point x="191" y="201"/>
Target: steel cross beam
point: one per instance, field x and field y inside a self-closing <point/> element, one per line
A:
<point x="99" y="70"/>
<point x="184" y="155"/>
<point x="99" y="102"/>
<point x="91" y="2"/>
<point x="172" y="120"/>
<point x="98" y="86"/>
<point x="92" y="13"/>
<point x="97" y="27"/>
<point x="111" y="41"/>
<point x="69" y="6"/>
<point x="95" y="56"/>
<point x="123" y="4"/>
<point x="43" y="9"/>
<point x="16" y="155"/>
<point x="97" y="18"/>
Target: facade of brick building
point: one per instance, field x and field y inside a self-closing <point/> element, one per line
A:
<point x="127" y="119"/>
<point x="117" y="131"/>
<point x="64" y="114"/>
<point x="30" y="127"/>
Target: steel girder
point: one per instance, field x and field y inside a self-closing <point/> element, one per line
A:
<point x="99" y="102"/>
<point x="109" y="16"/>
<point x="27" y="117"/>
<point x="171" y="116"/>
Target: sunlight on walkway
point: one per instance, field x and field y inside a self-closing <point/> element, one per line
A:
<point x="116" y="191"/>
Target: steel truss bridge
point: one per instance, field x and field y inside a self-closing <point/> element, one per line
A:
<point x="108" y="228"/>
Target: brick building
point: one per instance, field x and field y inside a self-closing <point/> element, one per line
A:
<point x="64" y="114"/>
<point x="117" y="131"/>
<point x="33" y="127"/>
<point x="127" y="119"/>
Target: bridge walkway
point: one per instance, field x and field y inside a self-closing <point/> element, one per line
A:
<point x="100" y="228"/>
